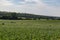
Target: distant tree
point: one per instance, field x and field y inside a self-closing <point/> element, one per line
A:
<point x="13" y="15"/>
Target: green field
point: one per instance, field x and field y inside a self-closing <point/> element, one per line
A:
<point x="29" y="30"/>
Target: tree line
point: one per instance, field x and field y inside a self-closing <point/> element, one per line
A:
<point x="25" y="16"/>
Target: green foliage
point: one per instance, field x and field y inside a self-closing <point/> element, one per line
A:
<point x="29" y="30"/>
<point x="25" y="16"/>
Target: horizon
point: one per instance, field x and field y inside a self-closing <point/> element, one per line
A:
<point x="38" y="7"/>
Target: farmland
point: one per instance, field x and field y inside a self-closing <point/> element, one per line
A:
<point x="29" y="30"/>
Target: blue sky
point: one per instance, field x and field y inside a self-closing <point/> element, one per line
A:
<point x="52" y="2"/>
<point x="49" y="2"/>
<point x="39" y="7"/>
<point x="17" y="2"/>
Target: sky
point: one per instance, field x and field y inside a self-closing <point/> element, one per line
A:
<point x="39" y="7"/>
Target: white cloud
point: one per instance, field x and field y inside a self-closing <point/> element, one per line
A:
<point x="39" y="8"/>
<point x="54" y="11"/>
<point x="5" y="3"/>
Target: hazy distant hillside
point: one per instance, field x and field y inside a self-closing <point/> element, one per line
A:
<point x="14" y="15"/>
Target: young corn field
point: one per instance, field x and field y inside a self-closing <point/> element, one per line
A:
<point x="29" y="30"/>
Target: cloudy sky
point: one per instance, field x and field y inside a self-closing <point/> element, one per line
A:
<point x="39" y="7"/>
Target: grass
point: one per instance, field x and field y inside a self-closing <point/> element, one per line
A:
<point x="29" y="30"/>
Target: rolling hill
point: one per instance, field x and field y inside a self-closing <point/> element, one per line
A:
<point x="25" y="16"/>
